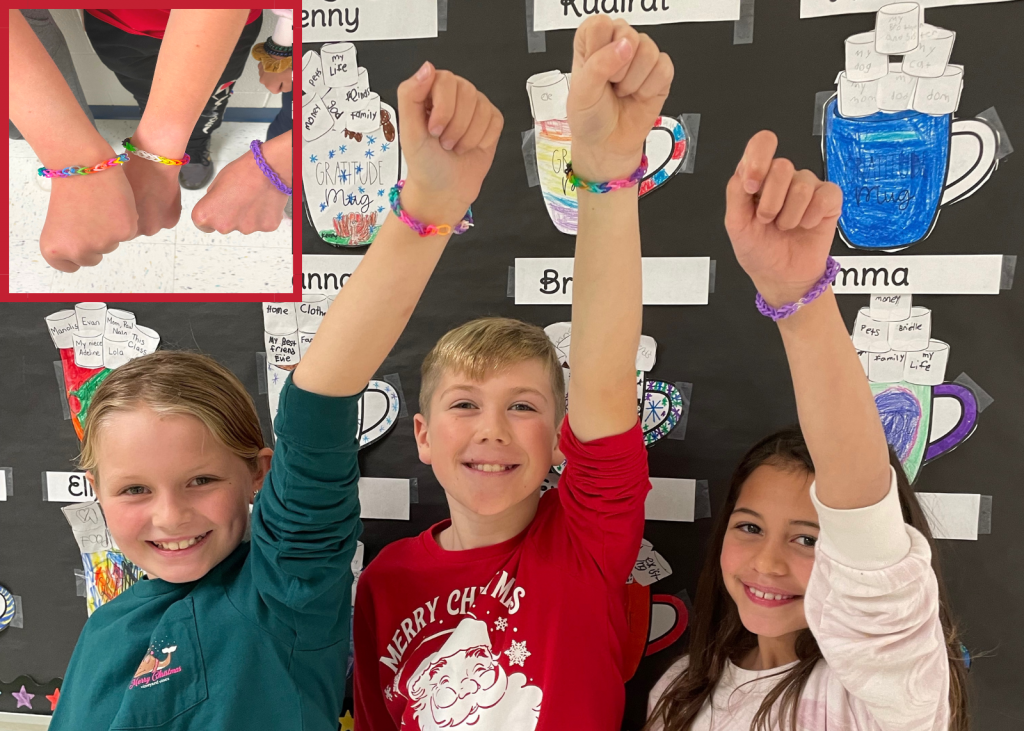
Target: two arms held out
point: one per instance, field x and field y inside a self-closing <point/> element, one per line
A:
<point x="782" y="222"/>
<point x="88" y="216"/>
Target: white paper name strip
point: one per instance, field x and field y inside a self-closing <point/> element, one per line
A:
<point x="557" y="14"/>
<point x="670" y="499"/>
<point x="67" y="487"/>
<point x="3" y="484"/>
<point x="951" y="515"/>
<point x="817" y="8"/>
<point x="325" y="273"/>
<point x="968" y="274"/>
<point x="384" y="498"/>
<point x="368" y="20"/>
<point x="667" y="280"/>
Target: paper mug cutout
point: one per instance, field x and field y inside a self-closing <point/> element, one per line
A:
<point x="92" y="341"/>
<point x="662" y="410"/>
<point x="920" y="163"/>
<point x="350" y="154"/>
<point x="665" y="147"/>
<point x="922" y="423"/>
<point x="7" y="608"/>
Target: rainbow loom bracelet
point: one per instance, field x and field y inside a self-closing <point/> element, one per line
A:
<point x="611" y="185"/>
<point x="127" y="143"/>
<point x="68" y="172"/>
<point x="257" y="152"/>
<point x="831" y="270"/>
<point x="427" y="229"/>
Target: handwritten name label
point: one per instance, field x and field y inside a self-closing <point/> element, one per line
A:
<point x="667" y="281"/>
<point x="368" y="20"/>
<point x="558" y="14"/>
<point x="924" y="274"/>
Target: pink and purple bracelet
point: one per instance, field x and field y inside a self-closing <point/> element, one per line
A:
<point x="257" y="153"/>
<point x="831" y="270"/>
<point x="427" y="229"/>
<point x="69" y="171"/>
<point x="611" y="185"/>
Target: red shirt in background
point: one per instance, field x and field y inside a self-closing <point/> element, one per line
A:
<point x="150" y="23"/>
<point x="525" y="635"/>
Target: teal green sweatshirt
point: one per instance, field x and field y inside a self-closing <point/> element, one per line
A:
<point x="261" y="641"/>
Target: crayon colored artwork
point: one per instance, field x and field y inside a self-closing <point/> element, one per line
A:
<point x="350" y="149"/>
<point x="93" y="340"/>
<point x="923" y="416"/>
<point x="666" y="148"/>
<point x="890" y="137"/>
<point x="107" y="574"/>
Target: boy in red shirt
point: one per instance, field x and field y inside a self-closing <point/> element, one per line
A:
<point x="512" y="615"/>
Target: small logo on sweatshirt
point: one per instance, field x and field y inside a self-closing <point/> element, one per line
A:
<point x="153" y="671"/>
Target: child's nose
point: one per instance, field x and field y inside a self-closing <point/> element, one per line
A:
<point x="770" y="560"/>
<point x="171" y="511"/>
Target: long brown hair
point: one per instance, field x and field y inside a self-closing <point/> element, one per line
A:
<point x="718" y="635"/>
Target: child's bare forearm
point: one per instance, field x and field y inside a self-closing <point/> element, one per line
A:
<point x="837" y="411"/>
<point x="193" y="54"/>
<point x="606" y="314"/>
<point x="278" y="153"/>
<point x="372" y="310"/>
<point x="44" y="109"/>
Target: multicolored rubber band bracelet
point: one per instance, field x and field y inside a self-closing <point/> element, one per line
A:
<point x="424" y="229"/>
<point x="611" y="185"/>
<point x="68" y="172"/>
<point x="831" y="270"/>
<point x="257" y="152"/>
<point x="127" y="142"/>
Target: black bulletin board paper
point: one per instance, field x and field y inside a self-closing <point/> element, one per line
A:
<point x="732" y="356"/>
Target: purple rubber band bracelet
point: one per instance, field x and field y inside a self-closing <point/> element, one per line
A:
<point x="257" y="153"/>
<point x="831" y="270"/>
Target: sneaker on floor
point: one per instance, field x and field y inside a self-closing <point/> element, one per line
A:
<point x="198" y="172"/>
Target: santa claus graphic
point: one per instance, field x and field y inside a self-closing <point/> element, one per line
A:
<point x="463" y="685"/>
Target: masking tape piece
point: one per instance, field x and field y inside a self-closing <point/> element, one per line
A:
<point x="530" y="158"/>
<point x="261" y="372"/>
<point x="58" y="369"/>
<point x="820" y="100"/>
<point x="984" y="400"/>
<point x="535" y="39"/>
<point x="991" y="116"/>
<point x="743" y="29"/>
<point x="679" y="431"/>
<point x="702" y="501"/>
<point x="511" y="290"/>
<point x="442" y="15"/>
<point x="985" y="515"/>
<point x="1009" y="266"/>
<point x="691" y="123"/>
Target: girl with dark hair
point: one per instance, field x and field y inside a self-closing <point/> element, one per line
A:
<point x="820" y="606"/>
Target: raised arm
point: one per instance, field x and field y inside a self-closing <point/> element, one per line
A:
<point x="193" y="54"/>
<point x="619" y="82"/>
<point x="449" y="132"/>
<point x="782" y="222"/>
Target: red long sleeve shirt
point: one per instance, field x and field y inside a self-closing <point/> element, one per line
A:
<point x="528" y="634"/>
<point x="150" y="23"/>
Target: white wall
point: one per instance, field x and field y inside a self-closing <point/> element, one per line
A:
<point x="101" y="86"/>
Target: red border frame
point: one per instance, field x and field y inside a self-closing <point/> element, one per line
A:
<point x="296" y="293"/>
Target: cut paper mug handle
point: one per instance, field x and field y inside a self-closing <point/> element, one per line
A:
<point x="954" y="418"/>
<point x="665" y="147"/>
<point x="973" y="145"/>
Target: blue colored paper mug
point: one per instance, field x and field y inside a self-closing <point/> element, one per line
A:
<point x="898" y="169"/>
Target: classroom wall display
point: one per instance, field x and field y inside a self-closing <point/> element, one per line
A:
<point x="816" y="8"/>
<point x="350" y="151"/>
<point x="26" y="695"/>
<point x="890" y="139"/>
<point x="666" y="148"/>
<point x="93" y="340"/>
<point x="924" y="417"/>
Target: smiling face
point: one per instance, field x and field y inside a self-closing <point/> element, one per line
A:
<point x="768" y="551"/>
<point x="175" y="498"/>
<point x="491" y="442"/>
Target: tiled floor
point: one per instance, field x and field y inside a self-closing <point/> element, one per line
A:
<point x="182" y="259"/>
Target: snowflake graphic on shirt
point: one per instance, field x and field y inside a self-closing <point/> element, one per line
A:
<point x="501" y="624"/>
<point x="518" y="653"/>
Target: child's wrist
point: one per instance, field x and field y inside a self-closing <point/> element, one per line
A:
<point x="594" y="166"/>
<point x="278" y="154"/>
<point x="92" y="152"/>
<point x="166" y="141"/>
<point x="430" y="206"/>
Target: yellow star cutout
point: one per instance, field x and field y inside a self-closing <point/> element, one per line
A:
<point x="347" y="723"/>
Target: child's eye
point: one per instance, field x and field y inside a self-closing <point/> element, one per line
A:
<point x="749" y="528"/>
<point x="523" y="407"/>
<point x="203" y="480"/>
<point x="811" y="541"/>
<point x="133" y="490"/>
<point x="463" y="405"/>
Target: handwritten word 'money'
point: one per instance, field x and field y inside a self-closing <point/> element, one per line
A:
<point x="860" y="276"/>
<point x="593" y="7"/>
<point x="347" y="18"/>
<point x="551" y="280"/>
